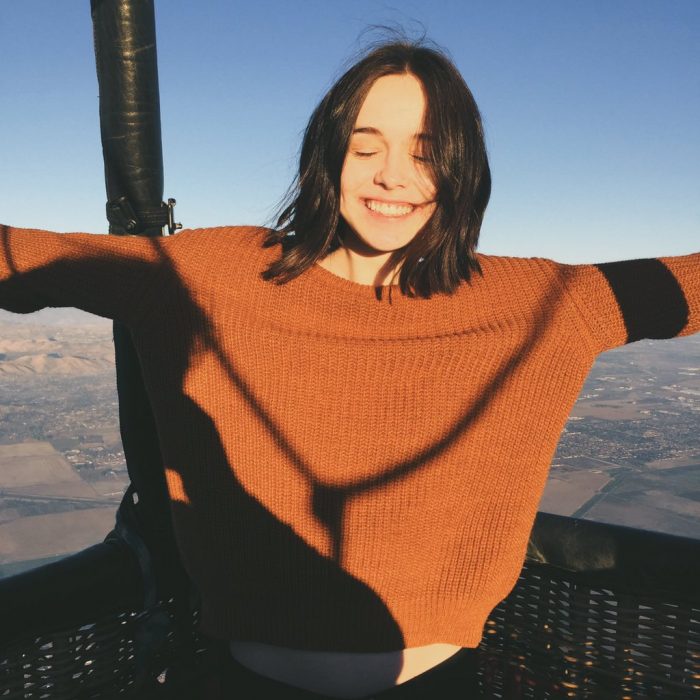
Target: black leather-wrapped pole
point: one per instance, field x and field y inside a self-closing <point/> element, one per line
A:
<point x="127" y="72"/>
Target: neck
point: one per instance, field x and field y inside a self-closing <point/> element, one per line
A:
<point x="358" y="263"/>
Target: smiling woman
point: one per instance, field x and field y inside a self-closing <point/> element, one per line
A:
<point x="393" y="177"/>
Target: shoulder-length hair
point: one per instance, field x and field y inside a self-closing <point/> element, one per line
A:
<point x="442" y="253"/>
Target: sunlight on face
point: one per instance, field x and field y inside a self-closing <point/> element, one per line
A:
<point x="386" y="193"/>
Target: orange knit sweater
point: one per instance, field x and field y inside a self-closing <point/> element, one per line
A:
<point x="349" y="474"/>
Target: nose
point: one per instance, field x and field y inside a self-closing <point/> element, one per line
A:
<point x="393" y="171"/>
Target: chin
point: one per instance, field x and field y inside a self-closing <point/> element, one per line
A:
<point x="372" y="243"/>
<point x="368" y="240"/>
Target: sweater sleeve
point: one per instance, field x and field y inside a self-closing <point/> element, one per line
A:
<point x="621" y="302"/>
<point x="107" y="275"/>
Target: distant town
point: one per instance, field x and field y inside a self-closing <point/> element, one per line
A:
<point x="630" y="452"/>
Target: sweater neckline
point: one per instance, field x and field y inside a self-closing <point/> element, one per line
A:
<point x="341" y="283"/>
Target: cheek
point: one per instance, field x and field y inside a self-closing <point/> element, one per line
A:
<point x="348" y="187"/>
<point x="427" y="213"/>
<point x="426" y="186"/>
<point x="351" y="179"/>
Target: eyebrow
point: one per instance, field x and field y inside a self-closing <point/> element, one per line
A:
<point x="375" y="132"/>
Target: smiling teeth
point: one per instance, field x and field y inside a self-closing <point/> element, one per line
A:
<point x="389" y="209"/>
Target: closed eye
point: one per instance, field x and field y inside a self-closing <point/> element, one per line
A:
<point x="364" y="154"/>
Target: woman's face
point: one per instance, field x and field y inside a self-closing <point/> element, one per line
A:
<point x="386" y="192"/>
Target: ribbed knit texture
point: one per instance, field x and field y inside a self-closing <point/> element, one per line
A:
<point x="346" y="474"/>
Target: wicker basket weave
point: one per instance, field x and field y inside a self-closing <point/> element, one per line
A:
<point x="555" y="636"/>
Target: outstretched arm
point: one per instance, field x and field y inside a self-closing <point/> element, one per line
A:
<point x="621" y="302"/>
<point x="107" y="275"/>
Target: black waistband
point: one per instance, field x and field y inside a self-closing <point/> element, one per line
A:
<point x="455" y="677"/>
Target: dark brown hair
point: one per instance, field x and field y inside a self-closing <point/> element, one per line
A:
<point x="442" y="253"/>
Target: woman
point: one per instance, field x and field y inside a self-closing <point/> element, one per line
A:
<point x="357" y="411"/>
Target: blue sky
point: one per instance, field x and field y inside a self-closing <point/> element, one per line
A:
<point x="591" y="112"/>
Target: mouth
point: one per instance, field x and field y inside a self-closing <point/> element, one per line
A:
<point x="393" y="210"/>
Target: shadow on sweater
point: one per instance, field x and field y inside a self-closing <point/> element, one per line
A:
<point x="341" y="603"/>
